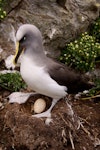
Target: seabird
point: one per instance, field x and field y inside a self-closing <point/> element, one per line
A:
<point x="41" y="73"/>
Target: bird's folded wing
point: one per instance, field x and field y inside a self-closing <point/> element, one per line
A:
<point x="65" y="76"/>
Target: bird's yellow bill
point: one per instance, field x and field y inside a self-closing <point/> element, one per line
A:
<point x="19" y="50"/>
<point x="16" y="54"/>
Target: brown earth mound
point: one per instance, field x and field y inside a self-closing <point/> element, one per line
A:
<point x="74" y="125"/>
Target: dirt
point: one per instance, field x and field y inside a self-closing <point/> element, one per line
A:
<point x="74" y="125"/>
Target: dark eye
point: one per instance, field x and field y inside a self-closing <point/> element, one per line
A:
<point x="23" y="39"/>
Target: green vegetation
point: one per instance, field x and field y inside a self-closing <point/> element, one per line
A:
<point x="95" y="90"/>
<point x="94" y="93"/>
<point x="2" y="11"/>
<point x="81" y="53"/>
<point x="95" y="30"/>
<point x="12" y="81"/>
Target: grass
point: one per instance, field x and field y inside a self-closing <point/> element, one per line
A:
<point x="12" y="82"/>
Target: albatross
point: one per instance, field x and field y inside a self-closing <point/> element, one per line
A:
<point x="43" y="74"/>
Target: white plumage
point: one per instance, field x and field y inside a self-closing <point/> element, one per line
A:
<point x="39" y="80"/>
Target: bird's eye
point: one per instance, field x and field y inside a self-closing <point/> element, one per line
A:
<point x="23" y="39"/>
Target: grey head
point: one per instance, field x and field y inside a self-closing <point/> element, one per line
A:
<point x="29" y="41"/>
<point x="28" y="30"/>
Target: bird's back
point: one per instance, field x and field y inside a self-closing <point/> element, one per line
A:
<point x="65" y="76"/>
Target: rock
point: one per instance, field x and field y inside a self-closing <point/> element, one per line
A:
<point x="60" y="22"/>
<point x="1" y="104"/>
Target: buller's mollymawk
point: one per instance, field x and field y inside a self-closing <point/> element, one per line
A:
<point x="44" y="75"/>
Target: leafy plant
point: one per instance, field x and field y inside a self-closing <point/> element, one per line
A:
<point x="93" y="93"/>
<point x="81" y="53"/>
<point x="96" y="89"/>
<point x="2" y="12"/>
<point x="12" y="81"/>
<point x="95" y="29"/>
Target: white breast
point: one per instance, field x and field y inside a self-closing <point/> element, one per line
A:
<point x="39" y="80"/>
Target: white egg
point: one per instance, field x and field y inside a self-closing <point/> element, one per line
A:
<point x="39" y="105"/>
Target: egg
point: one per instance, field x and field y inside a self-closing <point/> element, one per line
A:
<point x="39" y="105"/>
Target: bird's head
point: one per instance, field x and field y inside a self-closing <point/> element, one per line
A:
<point x="28" y="37"/>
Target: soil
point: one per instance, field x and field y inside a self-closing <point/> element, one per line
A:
<point x="75" y="125"/>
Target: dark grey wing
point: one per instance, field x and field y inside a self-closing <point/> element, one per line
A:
<point x="63" y="75"/>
